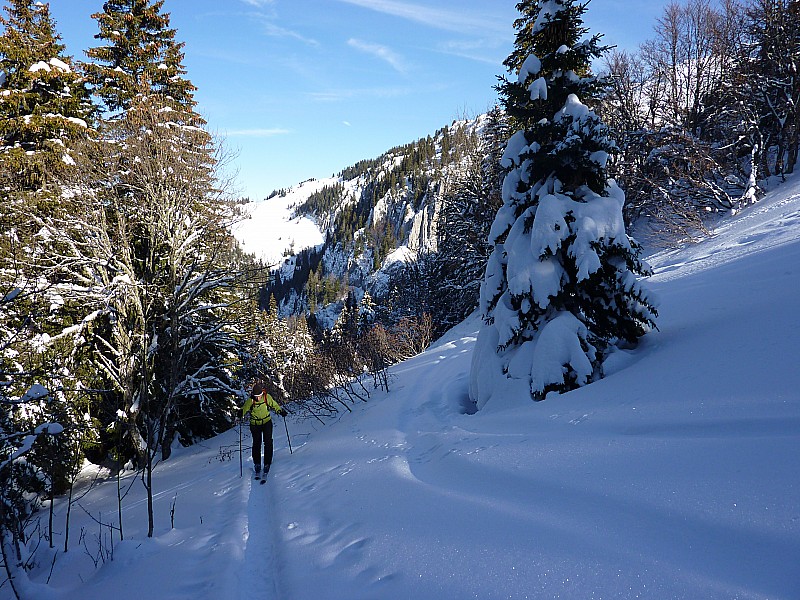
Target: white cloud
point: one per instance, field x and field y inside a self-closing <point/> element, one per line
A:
<point x="338" y="95"/>
<point x="276" y="31"/>
<point x="462" y="22"/>
<point x="266" y="15"/>
<point x="347" y="123"/>
<point x="381" y="52"/>
<point x="257" y="132"/>
<point x="477" y="51"/>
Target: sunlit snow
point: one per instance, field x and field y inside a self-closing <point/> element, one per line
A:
<point x="675" y="476"/>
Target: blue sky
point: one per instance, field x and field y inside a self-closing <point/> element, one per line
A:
<point x="305" y="88"/>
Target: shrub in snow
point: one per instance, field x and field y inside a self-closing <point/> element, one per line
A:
<point x="560" y="289"/>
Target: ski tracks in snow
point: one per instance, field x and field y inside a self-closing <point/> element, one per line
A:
<point x="771" y="223"/>
<point x="260" y="572"/>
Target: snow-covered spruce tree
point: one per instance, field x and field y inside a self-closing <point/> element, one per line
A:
<point x="275" y="342"/>
<point x="298" y="358"/>
<point x="560" y="290"/>
<point x="140" y="47"/>
<point x="22" y="423"/>
<point x="44" y="109"/>
<point x="44" y="103"/>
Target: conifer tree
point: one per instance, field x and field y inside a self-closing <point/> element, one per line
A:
<point x="366" y="312"/>
<point x="44" y="113"/>
<point x="346" y="328"/>
<point x="548" y="41"/>
<point x="140" y="53"/>
<point x="44" y="103"/>
<point x="560" y="289"/>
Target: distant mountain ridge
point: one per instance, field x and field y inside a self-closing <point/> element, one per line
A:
<point x="350" y="230"/>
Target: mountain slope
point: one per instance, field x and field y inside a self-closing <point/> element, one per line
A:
<point x="354" y="229"/>
<point x="676" y="476"/>
<point x="269" y="228"/>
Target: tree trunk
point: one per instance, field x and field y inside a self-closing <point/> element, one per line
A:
<point x="149" y="486"/>
<point x="6" y="563"/>
<point x="69" y="512"/>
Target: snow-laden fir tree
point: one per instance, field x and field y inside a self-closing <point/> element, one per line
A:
<point x="560" y="290"/>
<point x="140" y="49"/>
<point x="45" y="112"/>
<point x="44" y="103"/>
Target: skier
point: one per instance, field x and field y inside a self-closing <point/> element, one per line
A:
<point x="259" y="405"/>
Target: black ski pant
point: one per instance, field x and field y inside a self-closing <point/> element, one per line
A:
<point x="262" y="433"/>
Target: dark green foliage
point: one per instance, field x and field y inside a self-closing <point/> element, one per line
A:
<point x="44" y="106"/>
<point x="470" y="202"/>
<point x="567" y="72"/>
<point x="382" y="241"/>
<point x="561" y="68"/>
<point x="140" y="55"/>
<point x="362" y="167"/>
<point x="323" y="201"/>
<point x="45" y="113"/>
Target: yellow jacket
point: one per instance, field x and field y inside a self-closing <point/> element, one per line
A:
<point x="259" y="408"/>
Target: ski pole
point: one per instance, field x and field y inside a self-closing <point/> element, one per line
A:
<point x="287" y="434"/>
<point x="241" y="467"/>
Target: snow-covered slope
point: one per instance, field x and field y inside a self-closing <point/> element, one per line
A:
<point x="268" y="228"/>
<point x="372" y="214"/>
<point x="676" y="476"/>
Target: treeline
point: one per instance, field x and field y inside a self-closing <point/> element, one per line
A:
<point x="705" y="110"/>
<point x="126" y="307"/>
